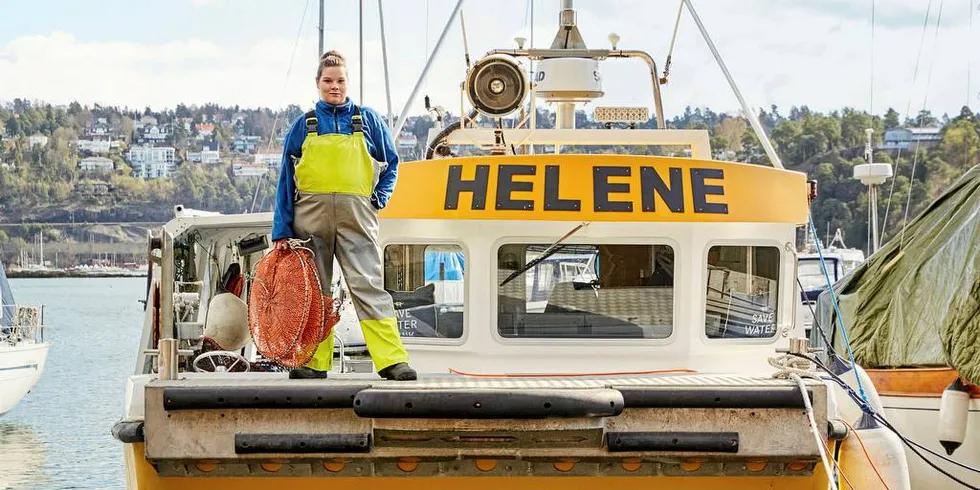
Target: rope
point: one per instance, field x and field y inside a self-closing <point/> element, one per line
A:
<point x="797" y="368"/>
<point x="858" y="436"/>
<point x="833" y="299"/>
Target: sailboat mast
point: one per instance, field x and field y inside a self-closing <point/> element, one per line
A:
<point x="320" y="28"/>
<point x="360" y="48"/>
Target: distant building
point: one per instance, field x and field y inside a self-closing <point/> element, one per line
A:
<point x="205" y="130"/>
<point x="37" y="140"/>
<point x="909" y="138"/>
<point x="97" y="164"/>
<point x="268" y="159"/>
<point x="152" y="162"/>
<point x="93" y="188"/>
<point x="246" y="144"/>
<point x="249" y="170"/>
<point x="209" y="155"/>
<point x="94" y="146"/>
<point x="153" y="134"/>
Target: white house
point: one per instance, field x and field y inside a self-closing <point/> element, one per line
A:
<point x="94" y="146"/>
<point x="96" y="164"/>
<point x="248" y="170"/>
<point x="268" y="159"/>
<point x="152" y="162"/>
<point x="907" y="138"/>
<point x="37" y="140"/>
<point x="154" y="134"/>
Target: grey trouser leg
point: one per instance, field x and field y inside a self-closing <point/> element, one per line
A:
<point x="349" y="226"/>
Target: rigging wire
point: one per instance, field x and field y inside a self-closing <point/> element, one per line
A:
<point x="673" y="38"/>
<point x="868" y="409"/>
<point x="969" y="58"/>
<point x="908" y="108"/>
<point x="925" y="98"/>
<point x="285" y="84"/>
<point x="871" y="97"/>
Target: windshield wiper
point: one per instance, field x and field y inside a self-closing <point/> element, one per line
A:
<point x="548" y="252"/>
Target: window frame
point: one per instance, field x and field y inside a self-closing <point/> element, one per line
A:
<point x="679" y="283"/>
<point x="701" y="316"/>
<point x="425" y="242"/>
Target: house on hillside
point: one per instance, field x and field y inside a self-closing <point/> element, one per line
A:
<point x="246" y="144"/>
<point x="37" y="140"/>
<point x="152" y="162"/>
<point x="269" y="159"/>
<point x="96" y="164"/>
<point x="209" y="155"/>
<point x="153" y="135"/>
<point x="94" y="145"/>
<point x="205" y="131"/>
<point x="248" y="170"/>
<point x="910" y="138"/>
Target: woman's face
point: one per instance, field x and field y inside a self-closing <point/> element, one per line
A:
<point x="333" y="85"/>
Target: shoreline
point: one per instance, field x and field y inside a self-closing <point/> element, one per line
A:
<point x="53" y="274"/>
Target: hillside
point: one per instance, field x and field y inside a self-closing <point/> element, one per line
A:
<point x="74" y="164"/>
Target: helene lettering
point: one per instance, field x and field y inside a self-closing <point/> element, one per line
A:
<point x="611" y="190"/>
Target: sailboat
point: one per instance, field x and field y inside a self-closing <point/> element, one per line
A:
<point x="23" y="350"/>
<point x="911" y="314"/>
<point x="611" y="321"/>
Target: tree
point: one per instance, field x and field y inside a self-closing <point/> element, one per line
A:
<point x="4" y="239"/>
<point x="732" y="129"/>
<point x="891" y="119"/>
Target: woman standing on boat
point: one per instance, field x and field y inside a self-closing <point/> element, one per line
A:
<point x="339" y="167"/>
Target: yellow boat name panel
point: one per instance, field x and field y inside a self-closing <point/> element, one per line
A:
<point x="597" y="188"/>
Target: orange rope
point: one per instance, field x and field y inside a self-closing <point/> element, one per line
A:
<point x="849" y="426"/>
<point x="573" y="375"/>
<point x="836" y="464"/>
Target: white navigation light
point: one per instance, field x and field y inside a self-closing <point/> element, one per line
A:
<point x="496" y="85"/>
<point x="628" y="115"/>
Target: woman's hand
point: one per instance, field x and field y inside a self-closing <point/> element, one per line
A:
<point x="281" y="244"/>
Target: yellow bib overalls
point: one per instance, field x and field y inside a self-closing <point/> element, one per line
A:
<point x="335" y="177"/>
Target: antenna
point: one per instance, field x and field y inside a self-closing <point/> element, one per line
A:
<point x="872" y="175"/>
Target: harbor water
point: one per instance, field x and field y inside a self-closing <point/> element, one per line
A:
<point x="58" y="437"/>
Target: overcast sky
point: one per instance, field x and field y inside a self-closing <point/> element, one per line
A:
<point x="783" y="52"/>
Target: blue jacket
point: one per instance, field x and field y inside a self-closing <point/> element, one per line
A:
<point x="333" y="119"/>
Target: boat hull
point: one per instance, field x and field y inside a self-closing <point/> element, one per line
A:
<point x="141" y="475"/>
<point x="20" y="368"/>
<point x="911" y="399"/>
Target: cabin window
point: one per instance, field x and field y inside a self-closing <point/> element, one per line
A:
<point x="742" y="292"/>
<point x="585" y="291"/>
<point x="427" y="287"/>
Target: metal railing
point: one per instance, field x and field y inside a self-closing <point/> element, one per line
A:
<point x="26" y="324"/>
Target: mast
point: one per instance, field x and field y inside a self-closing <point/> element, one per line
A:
<point x="320" y="28"/>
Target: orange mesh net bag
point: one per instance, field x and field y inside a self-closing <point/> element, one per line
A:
<point x="287" y="314"/>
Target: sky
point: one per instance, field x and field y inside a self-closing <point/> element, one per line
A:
<point x="826" y="54"/>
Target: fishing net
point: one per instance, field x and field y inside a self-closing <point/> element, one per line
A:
<point x="287" y="314"/>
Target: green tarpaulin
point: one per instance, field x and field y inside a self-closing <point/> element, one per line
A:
<point x="916" y="303"/>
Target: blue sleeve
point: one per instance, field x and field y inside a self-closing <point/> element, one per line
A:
<point x="282" y="222"/>
<point x="384" y="151"/>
